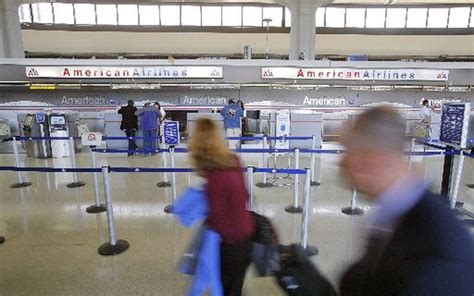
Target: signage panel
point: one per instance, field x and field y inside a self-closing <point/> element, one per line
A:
<point x="454" y="124"/>
<point x="171" y="132"/>
<point x="354" y="74"/>
<point x="157" y="72"/>
<point x="91" y="139"/>
<point x="282" y="129"/>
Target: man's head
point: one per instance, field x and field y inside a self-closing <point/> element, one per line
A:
<point x="374" y="143"/>
<point x="231" y="101"/>
<point x="147" y="105"/>
<point x="425" y="103"/>
<point x="130" y="103"/>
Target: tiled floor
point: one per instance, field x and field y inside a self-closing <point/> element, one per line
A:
<point x="52" y="242"/>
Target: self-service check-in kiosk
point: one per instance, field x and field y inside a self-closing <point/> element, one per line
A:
<point x="36" y="125"/>
<point x="5" y="129"/>
<point x="58" y="127"/>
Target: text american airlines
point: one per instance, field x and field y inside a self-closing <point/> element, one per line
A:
<point x="354" y="74"/>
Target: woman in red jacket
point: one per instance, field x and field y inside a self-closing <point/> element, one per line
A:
<point x="227" y="196"/>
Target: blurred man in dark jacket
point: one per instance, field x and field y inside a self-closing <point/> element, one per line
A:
<point x="416" y="245"/>
<point x="129" y="124"/>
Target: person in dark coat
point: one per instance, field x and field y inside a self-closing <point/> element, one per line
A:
<point x="129" y="124"/>
<point x="416" y="245"/>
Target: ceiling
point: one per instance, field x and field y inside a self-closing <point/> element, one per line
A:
<point x="282" y="2"/>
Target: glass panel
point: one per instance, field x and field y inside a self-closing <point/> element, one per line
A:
<point x="320" y="16"/>
<point x="459" y="17"/>
<point x="355" y="18"/>
<point x="275" y="14"/>
<point x="106" y="14"/>
<point x="190" y="15"/>
<point x="335" y="17"/>
<point x="25" y="13"/>
<point x="417" y="17"/>
<point x="287" y="17"/>
<point x="438" y="17"/>
<point x="128" y="14"/>
<point x="85" y="14"/>
<point x="375" y="18"/>
<point x="63" y="13"/>
<point x="252" y="16"/>
<point x="396" y="17"/>
<point x="170" y="15"/>
<point x="42" y="13"/>
<point x="211" y="16"/>
<point x="149" y="15"/>
<point x="232" y="16"/>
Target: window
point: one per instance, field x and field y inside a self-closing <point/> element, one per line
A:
<point x="127" y="14"/>
<point x="211" y="16"/>
<point x="252" y="16"/>
<point x="416" y="17"/>
<point x="459" y="17"/>
<point x="287" y="18"/>
<point x="335" y="17"/>
<point x="375" y="18"/>
<point x="106" y="14"/>
<point x="320" y="16"/>
<point x="63" y="13"/>
<point x="190" y="15"/>
<point x="275" y="14"/>
<point x="355" y="18"/>
<point x="170" y="15"/>
<point x="232" y="16"/>
<point x="85" y="14"/>
<point x="396" y="17"/>
<point x="149" y="15"/>
<point x="438" y="17"/>
<point x="42" y="13"/>
<point x="25" y="13"/>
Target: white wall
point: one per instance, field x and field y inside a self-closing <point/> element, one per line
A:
<point x="68" y="42"/>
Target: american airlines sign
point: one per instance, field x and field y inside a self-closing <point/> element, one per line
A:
<point x="156" y="72"/>
<point x="354" y="74"/>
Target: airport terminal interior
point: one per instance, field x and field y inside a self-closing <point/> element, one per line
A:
<point x="84" y="211"/>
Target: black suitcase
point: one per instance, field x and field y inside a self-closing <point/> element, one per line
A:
<point x="298" y="276"/>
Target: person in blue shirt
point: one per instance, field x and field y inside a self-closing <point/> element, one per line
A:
<point x="149" y="124"/>
<point x="232" y="114"/>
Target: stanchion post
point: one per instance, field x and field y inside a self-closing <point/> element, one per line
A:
<point x="313" y="163"/>
<point x="310" y="250"/>
<point x="250" y="170"/>
<point x="454" y="194"/>
<point x="76" y="183"/>
<point x="412" y="148"/>
<point x="113" y="246"/>
<point x="165" y="182"/>
<point x="264" y="182"/>
<point x="295" y="208"/>
<point x="97" y="207"/>
<point x="168" y="208"/>
<point x="19" y="179"/>
<point x="353" y="209"/>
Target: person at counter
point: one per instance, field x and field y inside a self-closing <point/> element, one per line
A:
<point x="149" y="124"/>
<point x="129" y="124"/>
<point x="161" y="118"/>
<point x="244" y="116"/>
<point x="232" y="114"/>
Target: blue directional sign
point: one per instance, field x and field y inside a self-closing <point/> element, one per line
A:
<point x="40" y="118"/>
<point x="171" y="132"/>
<point x="453" y="121"/>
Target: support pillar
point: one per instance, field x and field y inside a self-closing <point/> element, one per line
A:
<point x="303" y="29"/>
<point x="11" y="38"/>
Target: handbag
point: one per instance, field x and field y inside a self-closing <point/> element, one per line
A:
<point x="265" y="254"/>
<point x="189" y="260"/>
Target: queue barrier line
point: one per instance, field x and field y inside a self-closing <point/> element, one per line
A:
<point x="137" y="170"/>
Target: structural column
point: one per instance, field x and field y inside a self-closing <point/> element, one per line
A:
<point x="303" y="29"/>
<point x="11" y="39"/>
